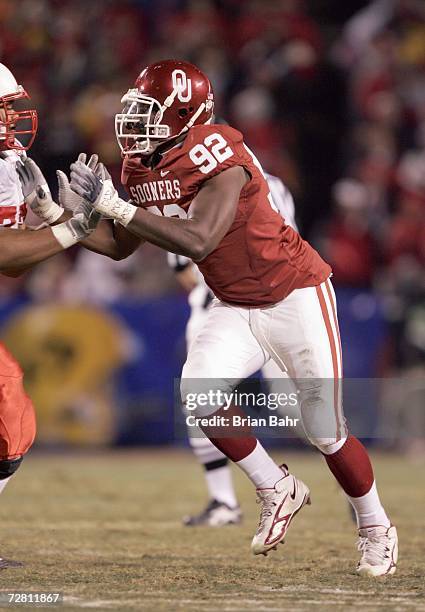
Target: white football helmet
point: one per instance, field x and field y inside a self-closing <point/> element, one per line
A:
<point x="14" y="123"/>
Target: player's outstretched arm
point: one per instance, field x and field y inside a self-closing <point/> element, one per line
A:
<point x="210" y="215"/>
<point x="21" y="249"/>
<point x="209" y="218"/>
<point x="109" y="239"/>
<point x="112" y="240"/>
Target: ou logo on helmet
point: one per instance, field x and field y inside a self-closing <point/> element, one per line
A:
<point x="182" y="85"/>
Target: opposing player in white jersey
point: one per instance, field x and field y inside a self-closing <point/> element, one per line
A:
<point x="223" y="508"/>
<point x="21" y="185"/>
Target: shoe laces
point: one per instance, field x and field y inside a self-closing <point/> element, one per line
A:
<point x="266" y="498"/>
<point x="374" y="548"/>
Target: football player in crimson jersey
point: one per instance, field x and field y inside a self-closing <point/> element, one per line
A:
<point x="211" y="203"/>
<point x="22" y="184"/>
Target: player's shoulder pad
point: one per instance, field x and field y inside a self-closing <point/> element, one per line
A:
<point x="198" y="133"/>
<point x="6" y="167"/>
<point x="8" y="160"/>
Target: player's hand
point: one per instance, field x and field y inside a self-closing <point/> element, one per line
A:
<point x="83" y="222"/>
<point x="98" y="190"/>
<point x="36" y="191"/>
<point x="68" y="199"/>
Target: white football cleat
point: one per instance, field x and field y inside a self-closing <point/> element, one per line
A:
<point x="278" y="507"/>
<point x="379" y="548"/>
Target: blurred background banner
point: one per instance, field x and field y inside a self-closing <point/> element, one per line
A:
<point x="330" y="96"/>
<point x="69" y="355"/>
<point x="108" y="375"/>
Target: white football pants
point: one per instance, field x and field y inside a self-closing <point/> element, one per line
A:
<point x="299" y="334"/>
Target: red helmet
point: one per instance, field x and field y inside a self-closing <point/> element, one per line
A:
<point x="14" y="123"/>
<point x="168" y="98"/>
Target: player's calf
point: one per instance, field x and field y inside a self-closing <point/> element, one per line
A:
<point x="350" y="464"/>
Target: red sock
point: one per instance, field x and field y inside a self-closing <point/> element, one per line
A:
<point x="234" y="442"/>
<point x="352" y="468"/>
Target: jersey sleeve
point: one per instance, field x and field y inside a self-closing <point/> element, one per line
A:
<point x="211" y="149"/>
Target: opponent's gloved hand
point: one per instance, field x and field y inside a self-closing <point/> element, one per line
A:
<point x="100" y="193"/>
<point x="83" y="222"/>
<point x="68" y="199"/>
<point x="85" y="218"/>
<point x="36" y="191"/>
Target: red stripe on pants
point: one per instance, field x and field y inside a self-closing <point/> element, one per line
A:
<point x="333" y="346"/>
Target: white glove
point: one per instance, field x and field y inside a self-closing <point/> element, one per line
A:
<point x="68" y="199"/>
<point x="36" y="191"/>
<point x="83" y="222"/>
<point x="85" y="218"/>
<point x="101" y="193"/>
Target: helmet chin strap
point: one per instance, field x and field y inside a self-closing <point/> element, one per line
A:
<point x="170" y="99"/>
<point x="196" y="115"/>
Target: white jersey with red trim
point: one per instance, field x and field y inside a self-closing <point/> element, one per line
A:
<point x="12" y="202"/>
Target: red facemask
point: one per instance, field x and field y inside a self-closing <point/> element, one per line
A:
<point x="17" y="123"/>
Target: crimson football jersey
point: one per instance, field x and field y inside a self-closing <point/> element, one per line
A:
<point x="260" y="260"/>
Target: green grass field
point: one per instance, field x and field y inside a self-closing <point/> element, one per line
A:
<point x="105" y="529"/>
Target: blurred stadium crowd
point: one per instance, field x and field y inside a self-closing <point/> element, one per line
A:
<point x="329" y="94"/>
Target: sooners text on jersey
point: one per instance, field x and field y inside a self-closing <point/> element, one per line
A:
<point x="260" y="260"/>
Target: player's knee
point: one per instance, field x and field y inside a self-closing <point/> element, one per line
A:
<point x="198" y="365"/>
<point x="324" y="426"/>
<point x="9" y="466"/>
<point x="329" y="446"/>
<point x="204" y="396"/>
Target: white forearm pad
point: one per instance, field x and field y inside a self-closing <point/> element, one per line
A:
<point x="45" y="207"/>
<point x="53" y="213"/>
<point x="118" y="209"/>
<point x="129" y="210"/>
<point x="64" y="235"/>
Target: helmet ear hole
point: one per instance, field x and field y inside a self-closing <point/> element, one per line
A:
<point x="184" y="112"/>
